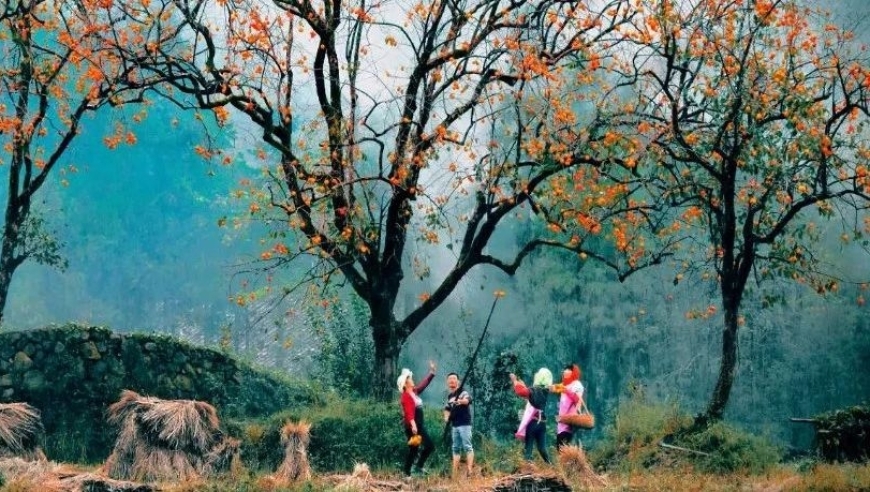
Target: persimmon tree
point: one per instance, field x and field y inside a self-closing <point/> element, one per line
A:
<point x="754" y="116"/>
<point x="385" y="126"/>
<point x="53" y="72"/>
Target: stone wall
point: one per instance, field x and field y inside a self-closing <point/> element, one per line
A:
<point x="73" y="373"/>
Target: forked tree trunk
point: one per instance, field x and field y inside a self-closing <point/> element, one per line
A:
<point x="388" y="342"/>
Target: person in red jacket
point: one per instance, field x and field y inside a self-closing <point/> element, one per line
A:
<point x="412" y="410"/>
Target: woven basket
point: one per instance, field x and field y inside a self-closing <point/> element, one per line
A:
<point x="582" y="420"/>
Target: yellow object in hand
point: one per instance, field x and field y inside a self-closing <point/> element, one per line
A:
<point x="415" y="440"/>
<point x="558" y="388"/>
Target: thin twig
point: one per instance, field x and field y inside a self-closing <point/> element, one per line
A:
<point x="678" y="448"/>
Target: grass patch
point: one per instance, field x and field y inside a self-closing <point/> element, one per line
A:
<point x="731" y="450"/>
<point x="349" y="431"/>
<point x="633" y="443"/>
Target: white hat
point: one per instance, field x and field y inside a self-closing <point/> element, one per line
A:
<point x="400" y="383"/>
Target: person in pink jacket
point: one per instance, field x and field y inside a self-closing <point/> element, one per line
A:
<point x="572" y="396"/>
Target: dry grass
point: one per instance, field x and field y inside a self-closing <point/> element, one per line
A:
<point x="295" y="437"/>
<point x="782" y="479"/>
<point x="362" y="480"/>
<point x="577" y="468"/>
<point x="20" y="428"/>
<point x="167" y="440"/>
<point x="828" y="477"/>
<point x="18" y="468"/>
<point x="47" y="476"/>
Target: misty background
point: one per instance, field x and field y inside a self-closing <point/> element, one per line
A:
<point x="140" y="227"/>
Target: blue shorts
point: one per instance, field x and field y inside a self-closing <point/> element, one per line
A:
<point x="462" y="439"/>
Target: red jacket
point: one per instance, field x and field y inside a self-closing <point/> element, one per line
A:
<point x="408" y="403"/>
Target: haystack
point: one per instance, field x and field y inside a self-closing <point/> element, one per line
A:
<point x="295" y="437"/>
<point x="166" y="440"/>
<point x="20" y="428"/>
<point x="577" y="467"/>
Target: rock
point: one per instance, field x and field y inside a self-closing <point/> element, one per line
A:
<point x="180" y="358"/>
<point x="6" y="380"/>
<point x="33" y="381"/>
<point x="150" y="346"/>
<point x="98" y="370"/>
<point x="22" y="361"/>
<point x="90" y="351"/>
<point x="7" y="393"/>
<point x="59" y="347"/>
<point x="183" y="383"/>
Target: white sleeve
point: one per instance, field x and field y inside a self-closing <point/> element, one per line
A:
<point x="577" y="388"/>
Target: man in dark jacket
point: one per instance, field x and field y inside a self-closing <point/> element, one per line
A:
<point x="457" y="412"/>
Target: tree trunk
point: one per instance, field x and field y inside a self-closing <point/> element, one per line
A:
<point x="727" y="366"/>
<point x="8" y="264"/>
<point x="5" y="281"/>
<point x="388" y="342"/>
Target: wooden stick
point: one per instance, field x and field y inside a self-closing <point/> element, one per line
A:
<point x="687" y="450"/>
<point x="471" y="364"/>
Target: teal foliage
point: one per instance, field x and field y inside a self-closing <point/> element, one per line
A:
<point x="137" y="227"/>
<point x="73" y="373"/>
<point x="346" y="357"/>
<point x="496" y="405"/>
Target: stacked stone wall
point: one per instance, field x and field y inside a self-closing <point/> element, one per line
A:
<point x="73" y="373"/>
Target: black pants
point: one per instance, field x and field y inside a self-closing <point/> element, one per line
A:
<point x="564" y="438"/>
<point x="536" y="435"/>
<point x="420" y="453"/>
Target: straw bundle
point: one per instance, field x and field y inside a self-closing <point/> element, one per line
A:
<point x="361" y="480"/>
<point x="224" y="457"/>
<point x="295" y="438"/>
<point x="577" y="467"/>
<point x="166" y="439"/>
<point x="20" y="428"/>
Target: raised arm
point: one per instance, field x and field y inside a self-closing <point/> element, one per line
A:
<point x="428" y="379"/>
<point x="519" y="386"/>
